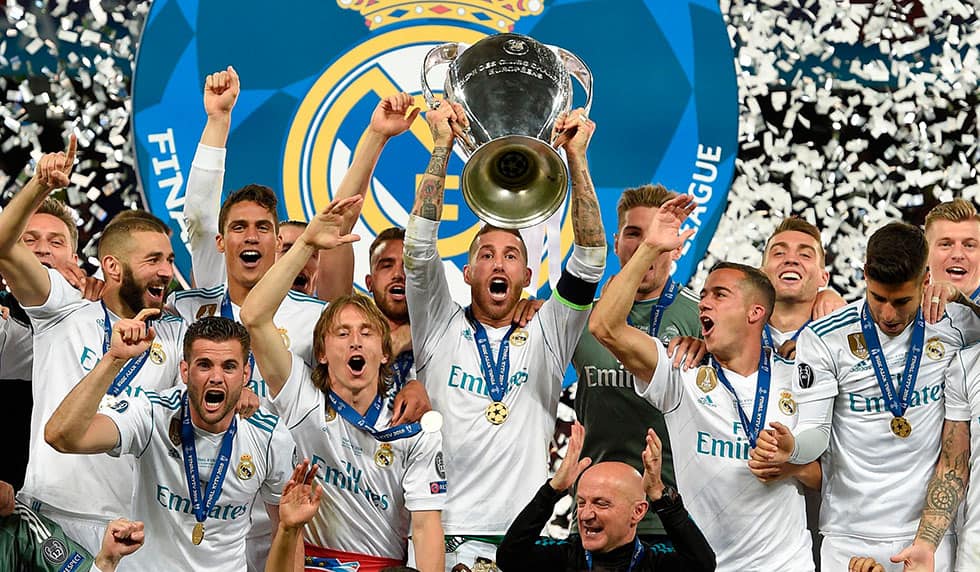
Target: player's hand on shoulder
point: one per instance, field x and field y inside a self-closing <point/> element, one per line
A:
<point x="411" y="403"/>
<point x="826" y="302"/>
<point x="935" y="296"/>
<point x="248" y="403"/>
<point x="525" y="310"/>
<point x="686" y="351"/>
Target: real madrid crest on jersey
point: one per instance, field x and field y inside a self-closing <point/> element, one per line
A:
<point x="935" y="350"/>
<point x="786" y="403"/>
<point x="707" y="379"/>
<point x="856" y="343"/>
<point x="285" y="337"/>
<point x="246" y="468"/>
<point x="311" y="85"/>
<point x="519" y="337"/>
<point x="384" y="457"/>
<point x="157" y="355"/>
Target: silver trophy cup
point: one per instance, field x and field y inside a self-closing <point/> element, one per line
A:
<point x="513" y="89"/>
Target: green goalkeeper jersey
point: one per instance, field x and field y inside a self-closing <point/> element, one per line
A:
<point x="31" y="542"/>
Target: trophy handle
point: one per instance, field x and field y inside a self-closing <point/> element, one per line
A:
<point x="437" y="56"/>
<point x="581" y="72"/>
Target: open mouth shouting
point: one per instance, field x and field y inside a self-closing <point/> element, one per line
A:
<point x="356" y="364"/>
<point x="707" y="326"/>
<point x="156" y="293"/>
<point x="397" y="292"/>
<point x="214" y="399"/>
<point x="250" y="258"/>
<point x="499" y="288"/>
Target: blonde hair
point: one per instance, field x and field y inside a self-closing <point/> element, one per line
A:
<point x="956" y="210"/>
<point x="321" y="373"/>
<point x="653" y="196"/>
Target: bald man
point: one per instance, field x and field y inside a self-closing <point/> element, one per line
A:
<point x="611" y="499"/>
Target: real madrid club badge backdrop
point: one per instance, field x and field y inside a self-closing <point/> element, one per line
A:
<point x="665" y="103"/>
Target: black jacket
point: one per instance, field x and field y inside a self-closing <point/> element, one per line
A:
<point x="520" y="550"/>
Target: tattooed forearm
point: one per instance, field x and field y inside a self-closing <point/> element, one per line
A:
<point x="429" y="196"/>
<point x="948" y="485"/>
<point x="586" y="217"/>
<point x="437" y="164"/>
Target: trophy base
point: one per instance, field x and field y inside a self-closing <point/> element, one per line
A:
<point x="515" y="181"/>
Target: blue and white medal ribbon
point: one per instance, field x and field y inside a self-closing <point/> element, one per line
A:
<point x="657" y="312"/>
<point x="495" y="372"/>
<point x="897" y="404"/>
<point x="767" y="335"/>
<point x="366" y="422"/>
<point x="754" y="426"/>
<point x="202" y="507"/>
<point x="132" y="367"/>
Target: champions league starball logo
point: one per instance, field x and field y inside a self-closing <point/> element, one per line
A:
<point x="312" y="73"/>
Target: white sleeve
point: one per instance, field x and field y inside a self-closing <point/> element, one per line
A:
<point x="16" y="349"/>
<point x="62" y="298"/>
<point x="425" y="474"/>
<point x="202" y="203"/>
<point x="298" y="395"/>
<point x="430" y="304"/>
<point x="134" y="420"/>
<point x="958" y="379"/>
<point x="816" y="370"/>
<point x="666" y="389"/>
<point x="281" y="448"/>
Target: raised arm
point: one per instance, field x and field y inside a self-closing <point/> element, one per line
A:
<point x="299" y="503"/>
<point x="202" y="200"/>
<point x="25" y="275"/>
<point x="587" y="227"/>
<point x="634" y="348"/>
<point x="325" y="231"/>
<point x="430" y="193"/>
<point x="76" y="426"/>
<point x="393" y="116"/>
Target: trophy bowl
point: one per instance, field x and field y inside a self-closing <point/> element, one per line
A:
<point x="513" y="89"/>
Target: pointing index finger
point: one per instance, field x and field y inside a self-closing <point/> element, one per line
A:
<point x="72" y="147"/>
<point x="147" y="313"/>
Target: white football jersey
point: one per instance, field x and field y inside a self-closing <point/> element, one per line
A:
<point x="744" y="520"/>
<point x="493" y="470"/>
<point x="295" y="318"/>
<point x="874" y="482"/>
<point x="261" y="464"/>
<point x="68" y="336"/>
<point x="963" y="404"/>
<point x="202" y="204"/>
<point x="16" y="349"/>
<point x="370" y="487"/>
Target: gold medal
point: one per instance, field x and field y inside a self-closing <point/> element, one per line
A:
<point x="519" y="337"/>
<point x="497" y="412"/>
<point x="198" y="535"/>
<point x="786" y="403"/>
<point x="935" y="350"/>
<point x="707" y="378"/>
<point x="901" y="427"/>
<point x="329" y="415"/>
<point x="385" y="456"/>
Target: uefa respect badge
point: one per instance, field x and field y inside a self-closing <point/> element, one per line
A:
<point x="665" y="105"/>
